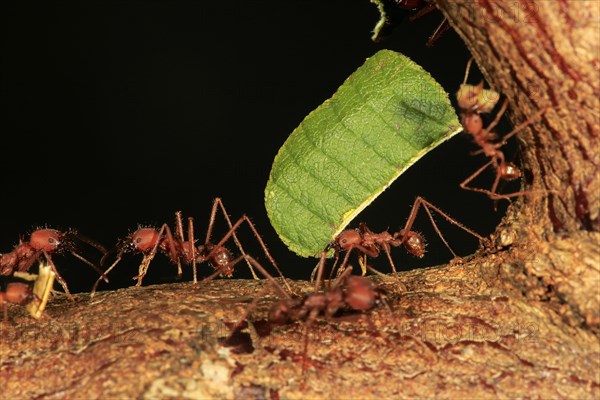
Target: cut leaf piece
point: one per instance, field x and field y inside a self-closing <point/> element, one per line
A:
<point x="387" y="115"/>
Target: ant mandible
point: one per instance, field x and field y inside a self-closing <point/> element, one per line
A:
<point x="370" y="243"/>
<point x="44" y="242"/>
<point x="474" y="101"/>
<point x="149" y="240"/>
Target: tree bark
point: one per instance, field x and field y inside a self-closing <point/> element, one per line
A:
<point x="544" y="54"/>
<point x="520" y="318"/>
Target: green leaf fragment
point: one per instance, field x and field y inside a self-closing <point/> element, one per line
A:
<point x="387" y="115"/>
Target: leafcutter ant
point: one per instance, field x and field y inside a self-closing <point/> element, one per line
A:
<point x="32" y="291"/>
<point x="348" y="293"/>
<point x="474" y="101"/>
<point x="148" y="241"/>
<point x="42" y="244"/>
<point x="371" y="244"/>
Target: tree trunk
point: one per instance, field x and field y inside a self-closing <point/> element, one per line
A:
<point x="518" y="319"/>
<point x="545" y="54"/>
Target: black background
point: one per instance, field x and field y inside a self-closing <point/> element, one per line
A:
<point x="119" y="113"/>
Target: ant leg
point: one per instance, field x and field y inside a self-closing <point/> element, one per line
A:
<point x="218" y="202"/>
<point x="263" y="271"/>
<point x="145" y="264"/>
<point x="322" y="259"/>
<point x="492" y="193"/>
<point x="114" y="264"/>
<point x="80" y="257"/>
<point x="59" y="278"/>
<point x="520" y="127"/>
<point x="192" y="242"/>
<point x="172" y="249"/>
<point x="498" y="161"/>
<point x="342" y="266"/>
<point x="442" y="28"/>
<point x="362" y="262"/>
<point x="427" y="205"/>
<point x="400" y="283"/>
<point x="463" y="184"/>
<point x="498" y="116"/>
<point x="343" y="275"/>
<point x="386" y="248"/>
<point x="180" y="237"/>
<point x="218" y="271"/>
<point x="257" y="298"/>
<point x="231" y="233"/>
<point x="320" y="268"/>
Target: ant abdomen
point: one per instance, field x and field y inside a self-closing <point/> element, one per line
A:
<point x="509" y="171"/>
<point x="219" y="258"/>
<point x="360" y="293"/>
<point x="414" y="243"/>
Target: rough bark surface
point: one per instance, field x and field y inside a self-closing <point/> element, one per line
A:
<point x="520" y="318"/>
<point x="451" y="334"/>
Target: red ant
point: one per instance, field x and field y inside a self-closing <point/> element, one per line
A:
<point x="34" y="294"/>
<point x="370" y="243"/>
<point x="16" y="293"/>
<point x="149" y="240"/>
<point x="44" y="242"/>
<point x="347" y="293"/>
<point x="474" y="101"/>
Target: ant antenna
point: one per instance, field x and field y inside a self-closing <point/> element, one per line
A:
<point x="467" y="71"/>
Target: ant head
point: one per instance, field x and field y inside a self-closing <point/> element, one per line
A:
<point x="348" y="239"/>
<point x="509" y="171"/>
<point x="414" y="243"/>
<point x="18" y="293"/>
<point x="472" y="122"/>
<point x="141" y="240"/>
<point x="360" y="294"/>
<point x="49" y="240"/>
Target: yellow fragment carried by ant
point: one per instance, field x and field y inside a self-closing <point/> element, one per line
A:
<point x="476" y="98"/>
<point x="41" y="290"/>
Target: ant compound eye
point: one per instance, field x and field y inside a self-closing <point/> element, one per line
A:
<point x="138" y="240"/>
<point x="509" y="171"/>
<point x="51" y="240"/>
<point x="415" y="244"/>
